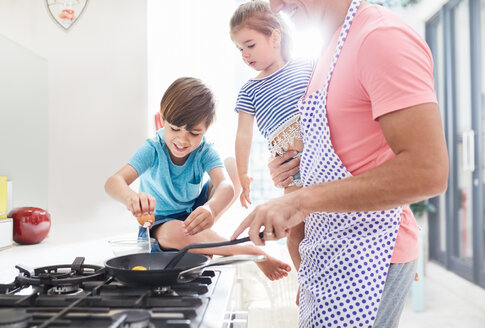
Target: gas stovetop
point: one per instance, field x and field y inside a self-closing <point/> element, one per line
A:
<point x="81" y="295"/>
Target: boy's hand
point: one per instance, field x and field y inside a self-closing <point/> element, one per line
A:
<point x="141" y="204"/>
<point x="246" y="188"/>
<point x="200" y="219"/>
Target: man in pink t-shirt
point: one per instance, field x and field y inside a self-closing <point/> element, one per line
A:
<point x="385" y="126"/>
<point x="386" y="67"/>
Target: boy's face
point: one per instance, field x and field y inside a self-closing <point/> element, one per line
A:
<point x="181" y="142"/>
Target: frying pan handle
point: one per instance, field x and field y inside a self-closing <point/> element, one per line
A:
<point x="192" y="273"/>
<point x="219" y="244"/>
<point x="176" y="259"/>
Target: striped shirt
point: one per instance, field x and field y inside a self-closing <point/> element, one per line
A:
<point x="273" y="98"/>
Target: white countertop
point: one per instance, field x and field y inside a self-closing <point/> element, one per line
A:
<point x="95" y="251"/>
<point x="87" y="239"/>
<point x="63" y="245"/>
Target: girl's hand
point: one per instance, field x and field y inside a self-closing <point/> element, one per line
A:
<point x="246" y="188"/>
<point x="282" y="173"/>
<point x="200" y="219"/>
<point x="140" y="204"/>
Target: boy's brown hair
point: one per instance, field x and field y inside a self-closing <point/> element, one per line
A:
<point x="187" y="102"/>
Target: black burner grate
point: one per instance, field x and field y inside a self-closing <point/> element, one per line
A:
<point x="60" y="275"/>
<point x="80" y="295"/>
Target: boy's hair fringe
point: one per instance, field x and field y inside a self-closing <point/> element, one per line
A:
<point x="187" y="102"/>
<point x="257" y="15"/>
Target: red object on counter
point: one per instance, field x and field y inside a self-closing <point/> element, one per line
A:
<point x="30" y="224"/>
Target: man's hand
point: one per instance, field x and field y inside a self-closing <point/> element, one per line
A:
<point x="277" y="216"/>
<point x="200" y="219"/>
<point x="282" y="174"/>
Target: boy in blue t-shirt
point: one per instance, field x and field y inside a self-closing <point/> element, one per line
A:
<point x="171" y="167"/>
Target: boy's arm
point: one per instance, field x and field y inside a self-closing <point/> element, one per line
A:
<point x="244" y="138"/>
<point x="117" y="186"/>
<point x="204" y="216"/>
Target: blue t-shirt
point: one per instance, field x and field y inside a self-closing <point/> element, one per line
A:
<point x="174" y="187"/>
<point x="273" y="99"/>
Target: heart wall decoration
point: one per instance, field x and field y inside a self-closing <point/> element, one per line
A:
<point x="66" y="12"/>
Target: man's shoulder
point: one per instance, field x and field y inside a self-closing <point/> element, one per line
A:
<point x="381" y="30"/>
<point x="375" y="18"/>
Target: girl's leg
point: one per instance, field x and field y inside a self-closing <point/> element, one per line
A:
<point x="171" y="235"/>
<point x="293" y="241"/>
<point x="296" y="235"/>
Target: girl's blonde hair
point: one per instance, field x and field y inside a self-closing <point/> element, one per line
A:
<point x="257" y="15"/>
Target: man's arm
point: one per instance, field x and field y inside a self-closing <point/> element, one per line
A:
<point x="418" y="171"/>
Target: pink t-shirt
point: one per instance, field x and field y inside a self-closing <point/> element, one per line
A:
<point x="384" y="66"/>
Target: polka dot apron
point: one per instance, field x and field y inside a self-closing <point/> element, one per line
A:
<point x="344" y="256"/>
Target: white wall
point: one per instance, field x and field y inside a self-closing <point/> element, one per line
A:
<point x="101" y="98"/>
<point x="97" y="84"/>
<point x="24" y="119"/>
<point x="417" y="15"/>
<point x="191" y="38"/>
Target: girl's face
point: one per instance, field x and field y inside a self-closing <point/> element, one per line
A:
<point x="259" y="51"/>
<point x="181" y="142"/>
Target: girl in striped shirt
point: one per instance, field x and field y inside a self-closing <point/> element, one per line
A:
<point x="271" y="96"/>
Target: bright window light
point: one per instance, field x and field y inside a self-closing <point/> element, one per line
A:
<point x="307" y="42"/>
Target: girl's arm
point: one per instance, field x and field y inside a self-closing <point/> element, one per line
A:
<point x="117" y="186"/>
<point x="244" y="139"/>
<point x="203" y="217"/>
